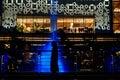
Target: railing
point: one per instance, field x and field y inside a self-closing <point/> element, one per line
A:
<point x="78" y="42"/>
<point x="41" y="37"/>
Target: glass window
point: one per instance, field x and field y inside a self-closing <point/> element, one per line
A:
<point x="32" y="24"/>
<point x="76" y="25"/>
<point x="116" y="16"/>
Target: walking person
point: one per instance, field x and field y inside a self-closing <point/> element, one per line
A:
<point x="54" y="60"/>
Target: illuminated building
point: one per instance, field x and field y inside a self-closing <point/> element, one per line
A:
<point x="91" y="25"/>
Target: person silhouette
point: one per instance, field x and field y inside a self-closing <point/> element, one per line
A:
<point x="54" y="60"/>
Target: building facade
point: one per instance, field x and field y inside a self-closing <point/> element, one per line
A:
<point x="99" y="15"/>
<point x="88" y="42"/>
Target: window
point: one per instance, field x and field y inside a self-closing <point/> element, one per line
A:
<point x="76" y="24"/>
<point x="116" y="16"/>
<point x="32" y="24"/>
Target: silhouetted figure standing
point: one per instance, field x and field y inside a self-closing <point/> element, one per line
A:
<point x="54" y="60"/>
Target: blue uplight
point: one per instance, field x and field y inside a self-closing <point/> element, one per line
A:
<point x="45" y="58"/>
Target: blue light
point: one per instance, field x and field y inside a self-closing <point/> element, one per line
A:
<point x="112" y="49"/>
<point x="6" y="58"/>
<point x="45" y="58"/>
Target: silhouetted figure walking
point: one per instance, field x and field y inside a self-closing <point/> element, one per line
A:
<point x="54" y="60"/>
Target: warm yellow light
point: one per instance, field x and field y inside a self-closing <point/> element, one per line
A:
<point x="117" y="10"/>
